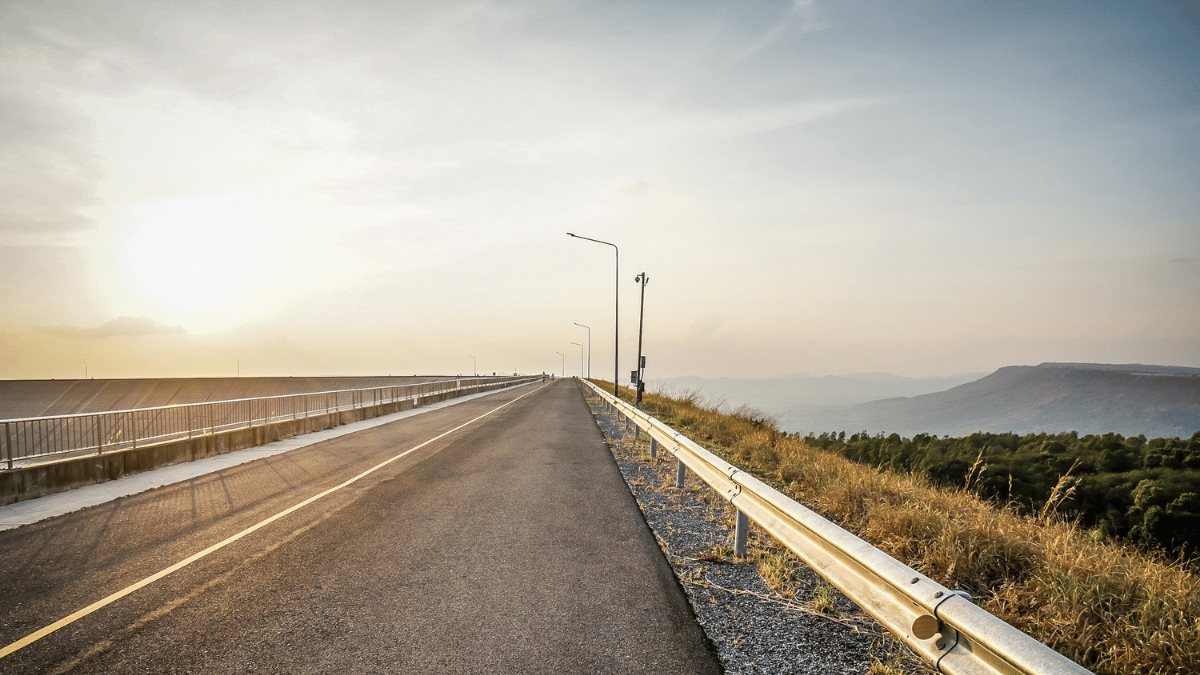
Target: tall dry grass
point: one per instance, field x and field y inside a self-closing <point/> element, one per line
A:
<point x="1110" y="608"/>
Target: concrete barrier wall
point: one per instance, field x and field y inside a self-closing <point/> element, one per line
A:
<point x="28" y="482"/>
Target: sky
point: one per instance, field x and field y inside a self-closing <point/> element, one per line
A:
<point x="369" y="188"/>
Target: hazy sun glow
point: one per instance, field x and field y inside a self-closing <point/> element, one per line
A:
<point x="186" y="255"/>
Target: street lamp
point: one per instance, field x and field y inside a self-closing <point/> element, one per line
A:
<point x="474" y="366"/>
<point x="617" y="315"/>
<point x="641" y="368"/>
<point x="580" y="358"/>
<point x="589" y="363"/>
<point x="564" y="369"/>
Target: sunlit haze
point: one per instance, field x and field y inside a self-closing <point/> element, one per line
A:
<point x="367" y="188"/>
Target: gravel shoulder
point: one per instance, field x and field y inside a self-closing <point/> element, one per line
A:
<point x="765" y="613"/>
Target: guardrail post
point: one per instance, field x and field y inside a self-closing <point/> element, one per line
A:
<point x="739" y="534"/>
<point x="8" y="443"/>
<point x="637" y="432"/>
<point x="189" y="413"/>
<point x="680" y="473"/>
<point x="653" y="448"/>
<point x="99" y="434"/>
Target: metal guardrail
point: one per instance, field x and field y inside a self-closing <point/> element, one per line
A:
<point x="95" y="433"/>
<point x="941" y="625"/>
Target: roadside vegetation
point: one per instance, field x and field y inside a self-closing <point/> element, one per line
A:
<point x="1143" y="492"/>
<point x="1110" y="606"/>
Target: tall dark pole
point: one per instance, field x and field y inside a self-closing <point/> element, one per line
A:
<point x="642" y="279"/>
<point x="589" y="330"/>
<point x="564" y="370"/>
<point x="617" y="320"/>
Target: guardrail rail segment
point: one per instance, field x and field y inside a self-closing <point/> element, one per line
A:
<point x="96" y="433"/>
<point x="942" y="626"/>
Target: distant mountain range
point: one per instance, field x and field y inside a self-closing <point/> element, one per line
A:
<point x="805" y="402"/>
<point x="1052" y="397"/>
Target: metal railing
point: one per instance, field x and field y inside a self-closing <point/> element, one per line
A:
<point x="99" y="432"/>
<point x="939" y="624"/>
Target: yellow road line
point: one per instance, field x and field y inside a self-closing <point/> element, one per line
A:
<point x="99" y="604"/>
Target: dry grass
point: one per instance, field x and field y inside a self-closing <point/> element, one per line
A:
<point x="1110" y="608"/>
<point x="824" y="599"/>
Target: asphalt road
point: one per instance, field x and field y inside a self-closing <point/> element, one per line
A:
<point x="508" y="545"/>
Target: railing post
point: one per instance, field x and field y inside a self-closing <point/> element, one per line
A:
<point x="8" y="443"/>
<point x="133" y="430"/>
<point x="680" y="473"/>
<point x="99" y="434"/>
<point x="653" y="448"/>
<point x="189" y="418"/>
<point x="739" y="534"/>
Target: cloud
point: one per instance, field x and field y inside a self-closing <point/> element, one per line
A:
<point x="704" y="328"/>
<point x="761" y="119"/>
<point x="800" y="14"/>
<point x="47" y="168"/>
<point x="120" y="326"/>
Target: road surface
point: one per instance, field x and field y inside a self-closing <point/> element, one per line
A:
<point x="494" y="536"/>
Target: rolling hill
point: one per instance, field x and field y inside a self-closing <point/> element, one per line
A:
<point x="1157" y="401"/>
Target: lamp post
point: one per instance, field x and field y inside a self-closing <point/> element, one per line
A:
<point x="589" y="363"/>
<point x="642" y="279"/>
<point x="580" y="358"/>
<point x="564" y="365"/>
<point x="474" y="367"/>
<point x="616" y="316"/>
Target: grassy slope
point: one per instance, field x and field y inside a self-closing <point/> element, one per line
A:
<point x="1108" y="607"/>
